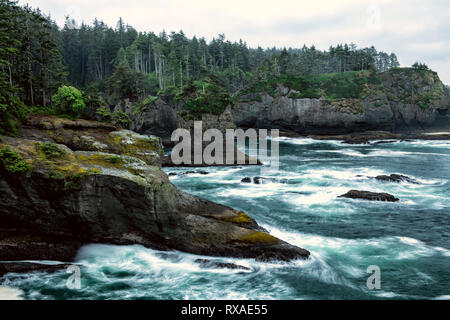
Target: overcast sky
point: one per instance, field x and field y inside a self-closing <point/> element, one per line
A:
<point x="414" y="30"/>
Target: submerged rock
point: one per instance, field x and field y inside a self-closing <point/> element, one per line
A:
<point x="62" y="199"/>
<point x="172" y="174"/>
<point x="262" y="180"/>
<point x="396" y="178"/>
<point x="219" y="265"/>
<point x="368" y="195"/>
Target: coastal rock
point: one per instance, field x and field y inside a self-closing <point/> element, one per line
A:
<point x="83" y="197"/>
<point x="84" y="135"/>
<point x="159" y="118"/>
<point x="396" y="178"/>
<point x="262" y="180"/>
<point x="171" y="174"/>
<point x="368" y="195"/>
<point x="219" y="265"/>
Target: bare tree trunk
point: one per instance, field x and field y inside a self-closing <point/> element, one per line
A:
<point x="44" y="100"/>
<point x="181" y="75"/>
<point x="10" y="75"/>
<point x="149" y="58"/>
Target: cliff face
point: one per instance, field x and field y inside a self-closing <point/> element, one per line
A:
<point x="110" y="190"/>
<point x="402" y="100"/>
<point x="162" y="118"/>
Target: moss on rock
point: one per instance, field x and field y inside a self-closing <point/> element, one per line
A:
<point x="258" y="237"/>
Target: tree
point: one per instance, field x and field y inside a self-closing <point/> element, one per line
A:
<point x="69" y="100"/>
<point x="125" y="83"/>
<point x="12" y="109"/>
<point x="420" y="66"/>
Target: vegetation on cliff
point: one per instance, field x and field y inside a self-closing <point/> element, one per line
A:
<point x="332" y="86"/>
<point x="88" y="69"/>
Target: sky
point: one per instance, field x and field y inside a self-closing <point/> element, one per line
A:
<point x="416" y="30"/>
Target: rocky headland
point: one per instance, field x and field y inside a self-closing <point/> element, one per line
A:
<point x="67" y="183"/>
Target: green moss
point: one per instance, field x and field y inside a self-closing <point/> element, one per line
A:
<point x="260" y="237"/>
<point x="101" y="160"/>
<point x="12" y="161"/>
<point x="112" y="159"/>
<point x="138" y="145"/>
<point x="240" y="218"/>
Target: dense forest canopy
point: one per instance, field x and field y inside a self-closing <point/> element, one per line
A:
<point x="110" y="64"/>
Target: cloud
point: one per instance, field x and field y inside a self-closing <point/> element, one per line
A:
<point x="414" y="30"/>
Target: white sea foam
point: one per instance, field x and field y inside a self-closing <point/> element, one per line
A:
<point x="8" y="293"/>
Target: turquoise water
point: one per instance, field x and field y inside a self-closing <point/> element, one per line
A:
<point x="409" y="240"/>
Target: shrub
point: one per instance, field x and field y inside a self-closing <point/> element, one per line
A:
<point x="69" y="100"/>
<point x="12" y="161"/>
<point x="120" y="118"/>
<point x="51" y="150"/>
<point x="104" y="113"/>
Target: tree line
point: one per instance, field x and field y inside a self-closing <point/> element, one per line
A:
<point x="37" y="57"/>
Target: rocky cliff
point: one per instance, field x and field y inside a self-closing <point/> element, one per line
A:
<point x="67" y="183"/>
<point x="399" y="100"/>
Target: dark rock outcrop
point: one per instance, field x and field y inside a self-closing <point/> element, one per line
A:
<point x="368" y="195"/>
<point x="396" y="178"/>
<point x="159" y="118"/>
<point x="171" y="174"/>
<point x="262" y="180"/>
<point x="205" y="263"/>
<point x="22" y="267"/>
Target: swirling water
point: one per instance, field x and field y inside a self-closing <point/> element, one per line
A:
<point x="409" y="240"/>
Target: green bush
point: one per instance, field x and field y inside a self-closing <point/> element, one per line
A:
<point x="205" y="97"/>
<point x="69" y="100"/>
<point x="12" y="161"/>
<point x="120" y="118"/>
<point x="104" y="113"/>
<point x="141" y="106"/>
<point x="333" y="86"/>
<point x="51" y="150"/>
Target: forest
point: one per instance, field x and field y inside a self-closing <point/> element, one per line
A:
<point x="43" y="66"/>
